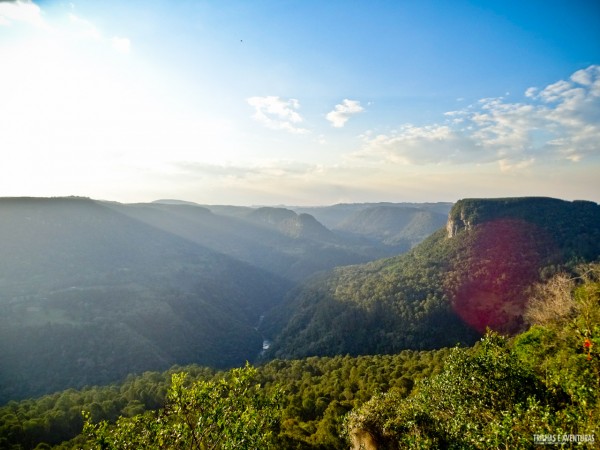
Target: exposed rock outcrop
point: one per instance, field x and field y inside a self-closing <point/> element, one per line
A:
<point x="457" y="224"/>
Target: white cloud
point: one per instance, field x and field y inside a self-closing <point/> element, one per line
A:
<point x="276" y="113"/>
<point x="342" y="112"/>
<point x="583" y="76"/>
<point x="24" y="11"/>
<point x="560" y="122"/>
<point x="507" y="165"/>
<point x="432" y="144"/>
<point x="555" y="91"/>
<point x="258" y="170"/>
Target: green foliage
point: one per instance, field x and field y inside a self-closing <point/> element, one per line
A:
<point x="317" y="393"/>
<point x="565" y="352"/>
<point x="466" y="406"/>
<point x="572" y="226"/>
<point x="502" y="392"/>
<point x="225" y="414"/>
<point x="57" y="417"/>
<point x="493" y="268"/>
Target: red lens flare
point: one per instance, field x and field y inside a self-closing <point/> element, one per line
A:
<point x="488" y="285"/>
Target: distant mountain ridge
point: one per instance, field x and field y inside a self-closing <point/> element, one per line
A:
<point x="398" y="226"/>
<point x="332" y="216"/>
<point x="293" y="225"/>
<point x="395" y="226"/>
<point x="277" y="240"/>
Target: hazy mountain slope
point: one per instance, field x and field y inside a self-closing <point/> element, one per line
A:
<point x="275" y="239"/>
<point x="470" y="275"/>
<point x="293" y="225"/>
<point x="88" y="295"/>
<point x="397" y="226"/>
<point x="332" y="216"/>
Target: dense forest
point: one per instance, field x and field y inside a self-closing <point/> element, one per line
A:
<point x="147" y="313"/>
<point x="500" y="393"/>
<point x="317" y="393"/>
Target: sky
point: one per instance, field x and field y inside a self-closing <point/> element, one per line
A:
<point x="300" y="102"/>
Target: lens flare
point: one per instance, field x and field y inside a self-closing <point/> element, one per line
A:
<point x="501" y="259"/>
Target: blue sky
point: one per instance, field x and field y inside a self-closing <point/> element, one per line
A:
<point x="300" y="102"/>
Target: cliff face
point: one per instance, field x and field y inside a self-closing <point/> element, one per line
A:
<point x="457" y="222"/>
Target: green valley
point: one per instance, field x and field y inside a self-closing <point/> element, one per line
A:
<point x="113" y="302"/>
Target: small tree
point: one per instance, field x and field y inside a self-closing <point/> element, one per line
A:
<point x="552" y="301"/>
<point x="230" y="413"/>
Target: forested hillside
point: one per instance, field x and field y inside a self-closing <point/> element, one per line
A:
<point x="473" y="274"/>
<point x="89" y="295"/>
<point x="539" y="386"/>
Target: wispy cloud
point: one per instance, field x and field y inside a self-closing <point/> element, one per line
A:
<point x="343" y="111"/>
<point x="23" y="11"/>
<point x="265" y="182"/>
<point x="432" y="144"/>
<point x="558" y="122"/>
<point x="276" y="169"/>
<point x="277" y="113"/>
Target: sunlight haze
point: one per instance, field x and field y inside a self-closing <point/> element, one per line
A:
<point x="299" y="102"/>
